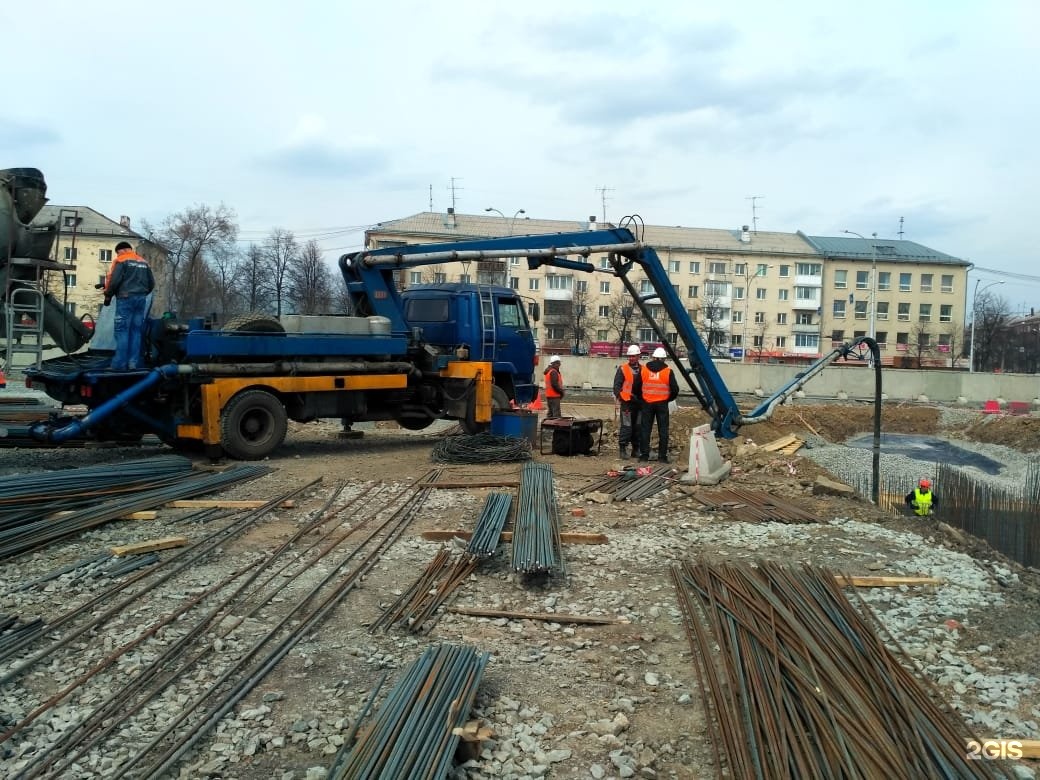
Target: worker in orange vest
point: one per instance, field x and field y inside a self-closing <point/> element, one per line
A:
<point x="627" y="385"/>
<point x="553" y="387"/>
<point x="659" y="387"/>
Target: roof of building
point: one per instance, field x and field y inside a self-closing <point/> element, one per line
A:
<point x="466" y="226"/>
<point x="91" y="223"/>
<point x="855" y="248"/>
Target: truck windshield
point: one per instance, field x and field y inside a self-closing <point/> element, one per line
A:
<point x="510" y="315"/>
<point x="428" y="310"/>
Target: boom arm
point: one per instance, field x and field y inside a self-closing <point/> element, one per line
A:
<point x="369" y="277"/>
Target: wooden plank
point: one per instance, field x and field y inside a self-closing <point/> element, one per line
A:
<point x="885" y="582"/>
<point x="551" y="617"/>
<point x="504" y="483"/>
<point x="779" y="444"/>
<point x="811" y="429"/>
<point x="146" y="514"/>
<point x="216" y="503"/>
<point x="567" y="537"/>
<point x="150" y="546"/>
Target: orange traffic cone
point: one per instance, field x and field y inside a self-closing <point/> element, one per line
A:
<point x="3" y="380"/>
<point x="536" y="404"/>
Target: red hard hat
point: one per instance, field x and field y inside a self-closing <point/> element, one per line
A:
<point x="925" y="483"/>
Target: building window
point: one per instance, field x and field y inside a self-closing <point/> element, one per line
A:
<point x="839" y="310"/>
<point x="858" y="334"/>
<point x="555" y="332"/>
<point x="514" y="261"/>
<point x="882" y="310"/>
<point x="714" y="289"/>
<point x="926" y="282"/>
<point x="71" y="221"/>
<point x="71" y="252"/>
<point x="884" y="280"/>
<point x="807" y="269"/>
<point x="673" y="266"/>
<point x="532" y="284"/>
<point x="415" y="277"/>
<point x="514" y="282"/>
<point x="604" y="263"/>
<point x="738" y="316"/>
<point x="902" y="339"/>
<point x="805" y="293"/>
<point x="924" y="312"/>
<point x="944" y="341"/>
<point x="841" y="279"/>
<point x="740" y="269"/>
<point x="903" y="314"/>
<point x="946" y="282"/>
<point x="781" y="318"/>
<point x="105" y="255"/>
<point x="861" y="310"/>
<point x="946" y="312"/>
<point x="762" y="269"/>
<point x="862" y="280"/>
<point x="695" y="266"/>
<point x="604" y="311"/>
<point x="760" y="317"/>
<point x="904" y="282"/>
<point x="439" y="277"/>
<point x="691" y="291"/>
<point x="70" y="307"/>
<point x="807" y="340"/>
<point x="738" y="293"/>
<point x="781" y="342"/>
<point x="837" y="335"/>
<point x="646" y="334"/>
<point x="602" y="335"/>
<point x="785" y="271"/>
<point x="557" y="282"/>
<point x="604" y="288"/>
<point x="881" y="337"/>
<point x="736" y="340"/>
<point x="717" y="268"/>
<point x="924" y="340"/>
<point x="465" y="278"/>
<point x="70" y="280"/>
<point x="783" y="294"/>
<point x="582" y="285"/>
<point x="760" y="294"/>
<point x="803" y="318"/>
<point x="756" y="342"/>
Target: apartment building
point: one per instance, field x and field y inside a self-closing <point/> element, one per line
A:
<point x="760" y="296"/>
<point x="85" y="240"/>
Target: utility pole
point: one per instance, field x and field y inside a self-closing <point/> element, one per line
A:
<point x="754" y="210"/>
<point x="603" y="198"/>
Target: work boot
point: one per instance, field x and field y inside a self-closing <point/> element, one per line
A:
<point x="663" y="458"/>
<point x="623" y="451"/>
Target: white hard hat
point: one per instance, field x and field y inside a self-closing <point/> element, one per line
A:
<point x="633" y="349"/>
<point x="555" y="359"/>
<point x="660" y="353"/>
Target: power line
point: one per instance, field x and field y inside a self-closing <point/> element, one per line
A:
<point x="1009" y="274"/>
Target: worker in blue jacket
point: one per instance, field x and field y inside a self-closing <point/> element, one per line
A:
<point x="129" y="281"/>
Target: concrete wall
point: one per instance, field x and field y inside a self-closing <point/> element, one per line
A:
<point x="839" y="381"/>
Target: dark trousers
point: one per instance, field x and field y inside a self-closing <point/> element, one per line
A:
<point x="650" y="412"/>
<point x="629" y="430"/>
<point x="553" y="405"/>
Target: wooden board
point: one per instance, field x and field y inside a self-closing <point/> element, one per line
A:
<point x="567" y="537"/>
<point x="216" y="503"/>
<point x="550" y="617"/>
<point x="145" y="514"/>
<point x="779" y="444"/>
<point x="150" y="546"/>
<point x="885" y="582"/>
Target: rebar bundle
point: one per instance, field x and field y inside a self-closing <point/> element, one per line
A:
<point x="800" y="685"/>
<point x="536" y="527"/>
<point x="416" y="606"/>
<point x="489" y="526"/>
<point x="412" y="736"/>
<point x="481" y="448"/>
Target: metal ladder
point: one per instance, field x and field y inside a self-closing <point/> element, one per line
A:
<point x="489" y="334"/>
<point x="23" y="318"/>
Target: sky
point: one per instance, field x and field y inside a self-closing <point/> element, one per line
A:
<point x="324" y="118"/>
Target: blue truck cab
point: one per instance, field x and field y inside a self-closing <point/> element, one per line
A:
<point x="480" y="322"/>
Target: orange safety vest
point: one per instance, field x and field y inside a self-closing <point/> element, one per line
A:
<point x="656" y="385"/>
<point x="628" y="382"/>
<point x="550" y="391"/>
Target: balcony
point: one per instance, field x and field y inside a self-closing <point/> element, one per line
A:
<point x="558" y="295"/>
<point x="808" y="281"/>
<point x="802" y="304"/>
<point x="796" y="328"/>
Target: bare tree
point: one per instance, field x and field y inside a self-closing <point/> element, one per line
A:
<point x="712" y="315"/>
<point x="281" y="253"/>
<point x="432" y="274"/>
<point x="955" y="343"/>
<point x="252" y="285"/>
<point x="621" y="317"/>
<point x="758" y="331"/>
<point x="921" y="345"/>
<point x="991" y="313"/>
<point x="342" y="303"/>
<point x="579" y="318"/>
<point x="224" y="271"/>
<point x="191" y="238"/>
<point x="310" y="283"/>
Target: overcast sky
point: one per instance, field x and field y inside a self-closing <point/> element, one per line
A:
<point x="324" y="118"/>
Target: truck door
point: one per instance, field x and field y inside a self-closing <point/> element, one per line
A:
<point x="514" y="342"/>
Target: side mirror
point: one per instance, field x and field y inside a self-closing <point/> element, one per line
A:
<point x="535" y="311"/>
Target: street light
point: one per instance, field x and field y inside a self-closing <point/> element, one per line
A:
<point x="873" y="276"/>
<point x="974" y="312"/>
<point x="512" y="222"/>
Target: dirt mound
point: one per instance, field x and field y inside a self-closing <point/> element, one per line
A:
<point x="1020" y="433"/>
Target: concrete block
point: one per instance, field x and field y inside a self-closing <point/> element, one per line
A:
<point x="706" y="465"/>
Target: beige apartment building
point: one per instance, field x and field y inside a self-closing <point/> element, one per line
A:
<point x="757" y="296"/>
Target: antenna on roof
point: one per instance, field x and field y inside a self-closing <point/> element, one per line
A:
<point x="431" y="197"/>
<point x="603" y="197"/>
<point x="754" y="210"/>
<point x="900" y="228"/>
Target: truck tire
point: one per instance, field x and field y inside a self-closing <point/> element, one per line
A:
<point x="499" y="402"/>
<point x="254" y="322"/>
<point x="252" y="425"/>
<point x="415" y="423"/>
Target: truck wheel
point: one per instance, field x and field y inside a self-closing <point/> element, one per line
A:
<point x="254" y="322"/>
<point x="499" y="403"/>
<point x="252" y="425"/>
<point x="415" y="423"/>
